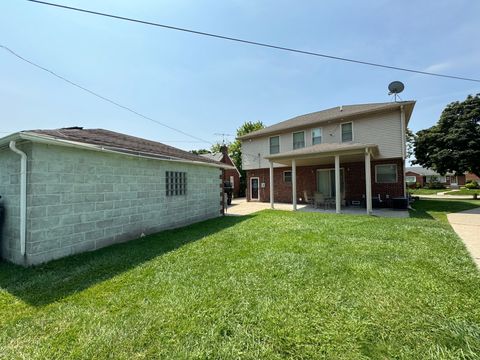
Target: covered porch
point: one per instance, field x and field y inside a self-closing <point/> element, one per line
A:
<point x="329" y="180"/>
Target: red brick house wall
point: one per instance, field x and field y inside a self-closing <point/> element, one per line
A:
<point x="307" y="181"/>
<point x="230" y="172"/>
<point x="421" y="179"/>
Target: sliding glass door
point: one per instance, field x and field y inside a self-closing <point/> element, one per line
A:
<point x="326" y="182"/>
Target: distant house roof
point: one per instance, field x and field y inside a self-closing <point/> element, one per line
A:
<point x="215" y="156"/>
<point x="423" y="171"/>
<point x="101" y="139"/>
<point x="218" y="157"/>
<point x="336" y="113"/>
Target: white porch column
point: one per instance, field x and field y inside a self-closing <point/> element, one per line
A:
<point x="368" y="182"/>
<point x="271" y="185"/>
<point x="338" y="191"/>
<point x="294" y="185"/>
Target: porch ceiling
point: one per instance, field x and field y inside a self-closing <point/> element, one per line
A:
<point x="324" y="154"/>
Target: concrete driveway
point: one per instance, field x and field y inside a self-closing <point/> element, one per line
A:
<point x="467" y="225"/>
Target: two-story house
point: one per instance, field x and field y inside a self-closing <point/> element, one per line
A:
<point x="359" y="149"/>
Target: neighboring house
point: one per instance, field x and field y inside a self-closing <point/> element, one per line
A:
<point x="327" y="150"/>
<point x="422" y="176"/>
<point x="471" y="177"/>
<point x="232" y="175"/>
<point x="71" y="190"/>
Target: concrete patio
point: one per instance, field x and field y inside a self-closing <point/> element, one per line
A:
<point x="241" y="207"/>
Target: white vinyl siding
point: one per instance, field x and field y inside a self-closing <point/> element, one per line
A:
<point x="299" y="140"/>
<point x="316" y="136"/>
<point x="274" y="144"/>
<point x="386" y="174"/>
<point x="347" y="132"/>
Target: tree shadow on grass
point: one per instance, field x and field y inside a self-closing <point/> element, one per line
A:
<point x="427" y="209"/>
<point x="44" y="284"/>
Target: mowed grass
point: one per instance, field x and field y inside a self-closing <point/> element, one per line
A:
<point x="268" y="286"/>
<point x="464" y="191"/>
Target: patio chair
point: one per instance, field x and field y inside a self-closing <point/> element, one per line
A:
<point x="319" y="199"/>
<point x="308" y="199"/>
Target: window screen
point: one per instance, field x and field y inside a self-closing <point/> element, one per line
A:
<point x="298" y="140"/>
<point x="274" y="145"/>
<point x="347" y="132"/>
<point x="316" y="136"/>
<point x="386" y="173"/>
<point x="287" y="177"/>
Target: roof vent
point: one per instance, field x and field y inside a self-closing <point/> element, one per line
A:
<point x="341" y="107"/>
<point x="73" y="128"/>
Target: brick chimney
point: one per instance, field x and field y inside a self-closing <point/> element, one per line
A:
<point x="224" y="151"/>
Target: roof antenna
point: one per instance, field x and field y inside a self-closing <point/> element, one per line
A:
<point x="224" y="137"/>
<point x="395" y="88"/>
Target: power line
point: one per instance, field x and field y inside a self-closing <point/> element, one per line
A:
<point x="256" y="43"/>
<point x="101" y="96"/>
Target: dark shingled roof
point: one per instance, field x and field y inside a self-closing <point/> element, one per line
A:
<point x="336" y="113"/>
<point x="122" y="143"/>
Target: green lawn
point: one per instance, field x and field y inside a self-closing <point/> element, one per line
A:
<point x="425" y="191"/>
<point x="268" y="286"/>
<point x="464" y="191"/>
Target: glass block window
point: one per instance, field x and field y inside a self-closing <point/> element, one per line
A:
<point x="386" y="173"/>
<point x="347" y="132"/>
<point x="298" y="140"/>
<point x="316" y="136"/>
<point x="175" y="183"/>
<point x="274" y="144"/>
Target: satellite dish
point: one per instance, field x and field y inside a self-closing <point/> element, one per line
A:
<point x="395" y="88"/>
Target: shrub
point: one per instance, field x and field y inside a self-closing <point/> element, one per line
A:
<point x="435" y="184"/>
<point x="472" y="184"/>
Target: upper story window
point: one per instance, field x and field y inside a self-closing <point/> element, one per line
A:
<point x="316" y="136"/>
<point x="347" y="132"/>
<point x="298" y="140"/>
<point x="274" y="144"/>
<point x="386" y="173"/>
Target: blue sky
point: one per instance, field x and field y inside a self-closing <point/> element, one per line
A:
<point x="205" y="86"/>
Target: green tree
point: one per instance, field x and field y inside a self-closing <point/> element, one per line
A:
<point x="200" y="151"/>
<point x="453" y="144"/>
<point x="410" y="142"/>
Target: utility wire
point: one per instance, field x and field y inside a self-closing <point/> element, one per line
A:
<point x="101" y="96"/>
<point x="256" y="43"/>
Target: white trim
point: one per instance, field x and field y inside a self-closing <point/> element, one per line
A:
<point x="271" y="175"/>
<point x="353" y="133"/>
<point x="251" y="188"/>
<point x="294" y="184"/>
<point x="396" y="174"/>
<point x="338" y="194"/>
<point x="321" y="135"/>
<point x="368" y="182"/>
<point x="304" y="140"/>
<point x="270" y="146"/>
<point x="283" y="176"/>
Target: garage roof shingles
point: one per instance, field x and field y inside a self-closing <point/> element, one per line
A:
<point x="122" y="143"/>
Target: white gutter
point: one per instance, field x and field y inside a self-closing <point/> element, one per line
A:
<point x="23" y="195"/>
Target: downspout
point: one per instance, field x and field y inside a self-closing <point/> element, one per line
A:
<point x="404" y="146"/>
<point x="23" y="195"/>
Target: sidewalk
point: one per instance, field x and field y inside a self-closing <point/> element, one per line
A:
<point x="467" y="225"/>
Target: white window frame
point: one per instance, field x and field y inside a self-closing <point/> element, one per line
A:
<point x="270" y="146"/>
<point x="341" y="132"/>
<point x="321" y="135"/>
<point x="287" y="171"/>
<point x="304" y="140"/>
<point x="388" y="182"/>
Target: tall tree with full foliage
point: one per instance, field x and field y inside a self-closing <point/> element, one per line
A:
<point x="453" y="144"/>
